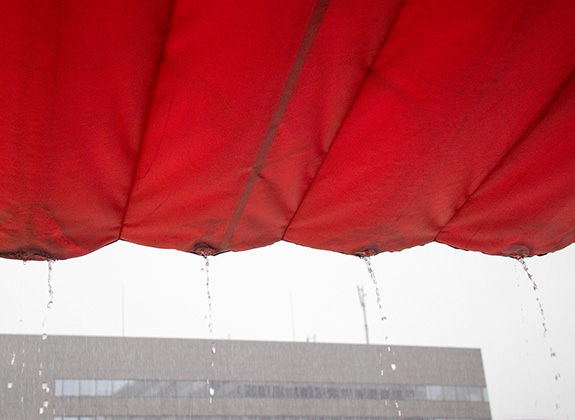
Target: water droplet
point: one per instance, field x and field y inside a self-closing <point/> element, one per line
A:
<point x="212" y="391"/>
<point x="10" y="385"/>
<point x="13" y="358"/>
<point x="557" y="376"/>
<point x="46" y="403"/>
<point x="396" y="404"/>
<point x="552" y="353"/>
<point x="381" y="372"/>
<point x="45" y="387"/>
<point x="20" y="321"/>
<point x="213" y="363"/>
<point x="393" y="367"/>
<point x="24" y="262"/>
<point x="386" y="402"/>
<point x="41" y="410"/>
<point x="213" y="347"/>
<point x="44" y="337"/>
<point x="399" y="413"/>
<point x="388" y="348"/>
<point x="40" y="372"/>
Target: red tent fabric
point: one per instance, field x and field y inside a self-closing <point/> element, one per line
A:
<point x="355" y="126"/>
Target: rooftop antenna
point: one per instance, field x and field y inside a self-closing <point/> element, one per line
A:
<point x="361" y="294"/>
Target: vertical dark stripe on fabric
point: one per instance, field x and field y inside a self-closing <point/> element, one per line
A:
<point x="309" y="36"/>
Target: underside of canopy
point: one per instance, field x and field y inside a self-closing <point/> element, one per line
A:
<point x="357" y="126"/>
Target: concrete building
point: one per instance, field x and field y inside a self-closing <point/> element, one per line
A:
<point x="94" y="378"/>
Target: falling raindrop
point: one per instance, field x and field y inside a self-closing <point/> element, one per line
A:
<point x="213" y="350"/>
<point x="10" y="385"/>
<point x="211" y="390"/>
<point x="393" y="367"/>
<point x="41" y="410"/>
<point x="381" y="372"/>
<point x="13" y="358"/>
<point x="45" y="387"/>
<point x="46" y="403"/>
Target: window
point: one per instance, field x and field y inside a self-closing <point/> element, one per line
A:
<point x="71" y="388"/>
<point x="434" y="392"/>
<point x="87" y="388"/>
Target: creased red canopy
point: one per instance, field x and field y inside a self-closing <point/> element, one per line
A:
<point x="348" y="125"/>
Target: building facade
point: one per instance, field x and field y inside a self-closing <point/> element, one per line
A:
<point x="95" y="378"/>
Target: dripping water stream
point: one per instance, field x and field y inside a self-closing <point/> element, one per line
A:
<point x="535" y="289"/>
<point x="50" y="290"/>
<point x="206" y="270"/>
<point x="367" y="260"/>
<point x="392" y="366"/>
<point x="552" y="353"/>
<point x="44" y="336"/>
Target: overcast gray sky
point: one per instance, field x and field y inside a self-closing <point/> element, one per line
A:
<point x="432" y="295"/>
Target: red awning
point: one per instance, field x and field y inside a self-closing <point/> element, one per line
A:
<point x="353" y="126"/>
